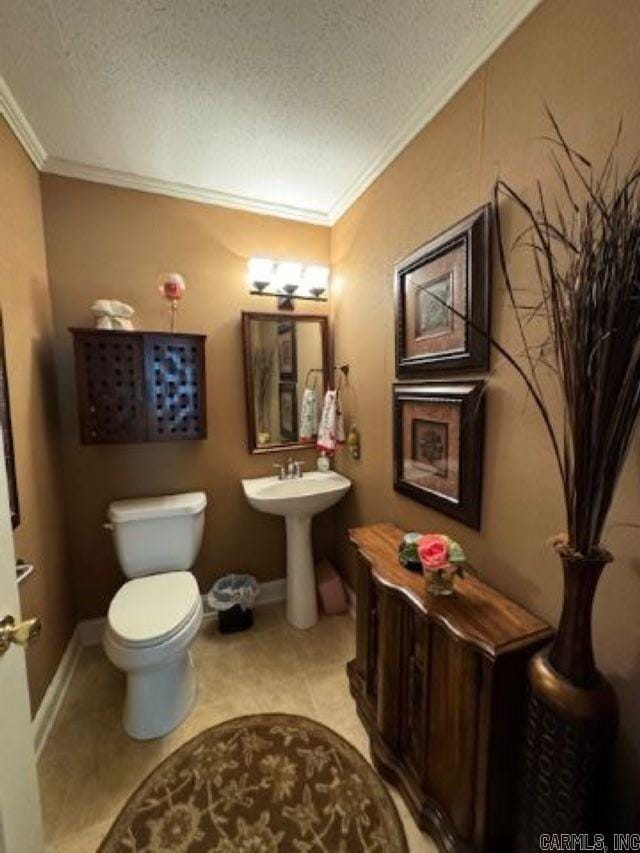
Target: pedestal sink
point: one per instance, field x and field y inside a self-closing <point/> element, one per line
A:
<point x="298" y="501"/>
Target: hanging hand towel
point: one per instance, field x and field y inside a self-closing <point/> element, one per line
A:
<point x="331" y="430"/>
<point x="340" y="435"/>
<point x="308" y="416"/>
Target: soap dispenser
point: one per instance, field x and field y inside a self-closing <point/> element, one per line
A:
<point x="323" y="462"/>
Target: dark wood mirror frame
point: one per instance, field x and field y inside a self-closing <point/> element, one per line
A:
<point x="7" y="435"/>
<point x="247" y="318"/>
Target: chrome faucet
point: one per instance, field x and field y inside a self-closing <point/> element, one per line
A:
<point x="291" y="471"/>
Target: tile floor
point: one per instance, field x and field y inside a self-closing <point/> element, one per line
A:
<point x="89" y="767"/>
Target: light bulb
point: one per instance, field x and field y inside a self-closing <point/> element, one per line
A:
<point x="316" y="279"/>
<point x="288" y="275"/>
<point x="260" y="272"/>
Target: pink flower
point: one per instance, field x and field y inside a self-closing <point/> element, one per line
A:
<point x="171" y="285"/>
<point x="433" y="551"/>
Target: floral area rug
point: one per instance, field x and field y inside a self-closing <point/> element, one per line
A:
<point x="270" y="783"/>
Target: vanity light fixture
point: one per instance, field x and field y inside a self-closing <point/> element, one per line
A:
<point x="287" y="280"/>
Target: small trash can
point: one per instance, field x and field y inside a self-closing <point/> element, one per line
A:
<point x="233" y="596"/>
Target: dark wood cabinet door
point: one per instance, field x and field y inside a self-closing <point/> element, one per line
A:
<point x="452" y="734"/>
<point x="414" y="718"/>
<point x="175" y="387"/>
<point x="373" y="622"/>
<point x="110" y="382"/>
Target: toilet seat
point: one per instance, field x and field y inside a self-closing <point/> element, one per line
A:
<point x="150" y="610"/>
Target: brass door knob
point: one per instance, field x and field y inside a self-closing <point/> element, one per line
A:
<point x="21" y="634"/>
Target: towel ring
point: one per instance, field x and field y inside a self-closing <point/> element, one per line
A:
<point x="344" y="373"/>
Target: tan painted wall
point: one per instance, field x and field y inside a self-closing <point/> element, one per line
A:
<point x="26" y="309"/>
<point x="582" y="57"/>
<point x="107" y="242"/>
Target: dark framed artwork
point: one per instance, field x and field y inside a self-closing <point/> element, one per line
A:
<point x="7" y="435"/>
<point x="287" y="351"/>
<point x="451" y="271"/>
<point x="438" y="446"/>
<point x="288" y="405"/>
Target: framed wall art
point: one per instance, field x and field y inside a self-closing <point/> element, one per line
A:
<point x="438" y="446"/>
<point x="287" y="351"/>
<point x="288" y="405"/>
<point x="451" y="271"/>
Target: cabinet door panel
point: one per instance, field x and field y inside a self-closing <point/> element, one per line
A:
<point x="110" y="388"/>
<point x="372" y="644"/>
<point x="414" y="719"/>
<point x="453" y="728"/>
<point x="175" y="387"/>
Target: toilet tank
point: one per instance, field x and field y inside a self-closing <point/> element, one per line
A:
<point x="162" y="534"/>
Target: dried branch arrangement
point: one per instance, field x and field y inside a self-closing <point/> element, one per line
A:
<point x="586" y="255"/>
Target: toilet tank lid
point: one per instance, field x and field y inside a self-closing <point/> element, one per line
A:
<point x="163" y="506"/>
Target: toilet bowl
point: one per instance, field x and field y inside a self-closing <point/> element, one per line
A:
<point x="155" y="616"/>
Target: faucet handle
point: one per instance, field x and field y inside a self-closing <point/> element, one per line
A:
<point x="280" y="468"/>
<point x="298" y="466"/>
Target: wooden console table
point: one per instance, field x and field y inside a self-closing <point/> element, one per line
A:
<point x="440" y="685"/>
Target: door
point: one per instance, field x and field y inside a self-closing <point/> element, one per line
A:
<point x="20" y="821"/>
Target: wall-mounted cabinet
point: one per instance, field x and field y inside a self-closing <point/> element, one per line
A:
<point x="139" y="386"/>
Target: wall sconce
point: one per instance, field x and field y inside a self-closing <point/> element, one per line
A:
<point x="287" y="280"/>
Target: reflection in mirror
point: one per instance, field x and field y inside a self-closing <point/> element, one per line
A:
<point x="285" y="376"/>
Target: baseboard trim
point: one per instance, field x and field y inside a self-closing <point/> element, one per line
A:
<point x="55" y="693"/>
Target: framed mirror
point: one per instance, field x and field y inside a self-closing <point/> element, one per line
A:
<point x="286" y="370"/>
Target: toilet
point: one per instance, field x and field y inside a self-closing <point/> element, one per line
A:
<point x="155" y="616"/>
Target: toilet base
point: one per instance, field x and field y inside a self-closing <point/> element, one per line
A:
<point x="159" y="699"/>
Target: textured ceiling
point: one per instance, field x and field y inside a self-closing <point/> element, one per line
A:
<point x="279" y="103"/>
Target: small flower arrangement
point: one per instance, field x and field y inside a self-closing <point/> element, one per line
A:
<point x="439" y="553"/>
<point x="172" y="286"/>
<point x="440" y="557"/>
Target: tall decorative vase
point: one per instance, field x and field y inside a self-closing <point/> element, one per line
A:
<point x="572" y="718"/>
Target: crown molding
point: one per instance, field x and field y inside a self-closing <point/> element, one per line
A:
<point x="130" y="181"/>
<point x="18" y="123"/>
<point x="434" y="101"/>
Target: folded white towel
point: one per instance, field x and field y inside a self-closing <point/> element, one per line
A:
<point x="331" y="429"/>
<point x="112" y="308"/>
<point x="111" y="314"/>
<point x="308" y="416"/>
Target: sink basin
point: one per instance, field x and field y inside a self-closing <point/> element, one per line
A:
<point x="298" y="500"/>
<point x="308" y="495"/>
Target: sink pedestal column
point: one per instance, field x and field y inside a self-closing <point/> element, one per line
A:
<point x="302" y="602"/>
